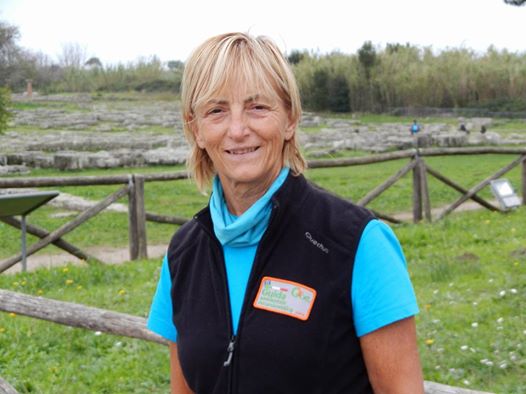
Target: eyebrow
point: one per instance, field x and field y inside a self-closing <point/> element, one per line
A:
<point x="249" y="99"/>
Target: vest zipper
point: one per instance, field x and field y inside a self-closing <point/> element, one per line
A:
<point x="228" y="363"/>
<point x="253" y="274"/>
<point x="230" y="350"/>
<point x="231" y="344"/>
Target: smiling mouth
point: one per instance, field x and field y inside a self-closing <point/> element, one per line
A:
<point x="241" y="151"/>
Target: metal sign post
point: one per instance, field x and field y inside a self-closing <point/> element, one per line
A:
<point x="23" y="239"/>
<point x="23" y="204"/>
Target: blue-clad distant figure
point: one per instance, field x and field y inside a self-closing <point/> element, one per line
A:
<point x="415" y="127"/>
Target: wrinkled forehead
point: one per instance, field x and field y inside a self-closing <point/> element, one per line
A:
<point x="237" y="81"/>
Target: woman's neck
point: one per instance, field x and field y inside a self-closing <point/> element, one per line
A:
<point x="240" y="196"/>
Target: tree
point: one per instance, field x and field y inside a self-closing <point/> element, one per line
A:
<point x="295" y="56"/>
<point x="73" y="56"/>
<point x="367" y="57"/>
<point x="93" y="63"/>
<point x="515" y="2"/>
<point x="338" y="100"/>
<point x="320" y="90"/>
<point x="9" y="51"/>
<point x="5" y="115"/>
<point x="175" y="65"/>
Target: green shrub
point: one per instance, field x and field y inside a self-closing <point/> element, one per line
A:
<point x="5" y="101"/>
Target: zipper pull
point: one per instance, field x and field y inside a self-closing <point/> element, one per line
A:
<point x="230" y="351"/>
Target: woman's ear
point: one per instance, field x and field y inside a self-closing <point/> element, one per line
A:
<point x="290" y="130"/>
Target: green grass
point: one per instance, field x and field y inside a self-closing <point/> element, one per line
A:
<point x="180" y="198"/>
<point x="68" y="106"/>
<point x="41" y="357"/>
<point x="469" y="273"/>
<point x="505" y="127"/>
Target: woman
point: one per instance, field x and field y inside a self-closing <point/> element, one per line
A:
<point x="276" y="286"/>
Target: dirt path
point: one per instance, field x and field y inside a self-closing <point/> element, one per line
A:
<point x="107" y="254"/>
<point x="467" y="206"/>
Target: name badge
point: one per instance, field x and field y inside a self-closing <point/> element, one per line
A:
<point x="285" y="297"/>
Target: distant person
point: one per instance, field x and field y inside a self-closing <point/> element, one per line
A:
<point x="415" y="127"/>
<point x="463" y="128"/>
<point x="277" y="286"/>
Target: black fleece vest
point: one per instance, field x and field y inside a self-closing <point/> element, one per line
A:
<point x="311" y="239"/>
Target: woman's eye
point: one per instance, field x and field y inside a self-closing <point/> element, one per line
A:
<point x="215" y="111"/>
<point x="258" y="107"/>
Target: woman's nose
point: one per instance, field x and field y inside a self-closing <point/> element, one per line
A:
<point x="238" y="126"/>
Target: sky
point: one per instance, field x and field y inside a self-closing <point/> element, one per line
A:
<point x="122" y="31"/>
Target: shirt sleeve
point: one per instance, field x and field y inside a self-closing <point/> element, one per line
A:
<point x="160" y="318"/>
<point x="381" y="290"/>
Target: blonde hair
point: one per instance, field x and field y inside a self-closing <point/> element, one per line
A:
<point x="213" y="66"/>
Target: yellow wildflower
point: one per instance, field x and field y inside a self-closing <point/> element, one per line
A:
<point x="430" y="341"/>
<point x="69" y="281"/>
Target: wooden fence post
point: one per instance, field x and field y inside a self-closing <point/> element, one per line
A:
<point x="137" y="218"/>
<point x="417" y="192"/>
<point x="426" y="203"/>
<point x="524" y="180"/>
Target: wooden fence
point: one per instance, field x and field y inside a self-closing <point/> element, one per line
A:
<point x="95" y="319"/>
<point x="137" y="216"/>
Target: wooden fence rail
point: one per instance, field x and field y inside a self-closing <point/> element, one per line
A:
<point x="95" y="319"/>
<point x="6" y="388"/>
<point x="41" y="233"/>
<point x="475" y="189"/>
<point x="137" y="216"/>
<point x="23" y="182"/>
<point x="77" y="315"/>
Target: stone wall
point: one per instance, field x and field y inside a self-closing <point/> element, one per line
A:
<point x="77" y="132"/>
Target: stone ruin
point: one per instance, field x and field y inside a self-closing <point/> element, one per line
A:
<point x="122" y="133"/>
<point x="337" y="135"/>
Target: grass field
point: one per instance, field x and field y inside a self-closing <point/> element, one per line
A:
<point x="469" y="272"/>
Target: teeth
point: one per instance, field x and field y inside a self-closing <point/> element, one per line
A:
<point x="241" y="151"/>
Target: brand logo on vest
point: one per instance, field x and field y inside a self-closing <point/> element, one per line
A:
<point x="319" y="245"/>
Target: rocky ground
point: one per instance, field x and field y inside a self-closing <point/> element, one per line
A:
<point x="80" y="131"/>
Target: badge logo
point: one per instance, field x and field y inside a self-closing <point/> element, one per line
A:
<point x="285" y="297"/>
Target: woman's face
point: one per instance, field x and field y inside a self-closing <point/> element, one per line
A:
<point x="243" y="131"/>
